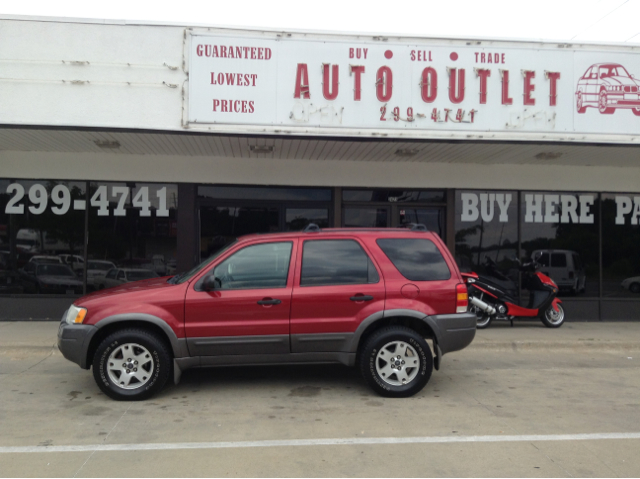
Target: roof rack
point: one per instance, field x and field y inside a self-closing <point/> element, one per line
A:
<point x="415" y="227"/>
<point x="312" y="228"/>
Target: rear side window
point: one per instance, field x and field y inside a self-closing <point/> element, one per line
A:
<point x="332" y="262"/>
<point x="544" y="259"/>
<point x="558" y="260"/>
<point x="416" y="259"/>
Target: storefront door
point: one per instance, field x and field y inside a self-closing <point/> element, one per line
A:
<point x="432" y="217"/>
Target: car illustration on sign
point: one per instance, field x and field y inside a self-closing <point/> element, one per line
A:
<point x="608" y="86"/>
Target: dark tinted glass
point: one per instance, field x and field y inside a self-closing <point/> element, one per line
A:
<point x="416" y="259"/>
<point x="327" y="262"/>
<point x="264" y="193"/>
<point x="255" y="267"/>
<point x="559" y="224"/>
<point x="366" y="217"/>
<point x="394" y="196"/>
<point x="298" y="218"/>
<point x="40" y="218"/>
<point x="221" y="225"/>
<point x="432" y="218"/>
<point x="487" y="227"/>
<point x="138" y="275"/>
<point x="620" y="247"/>
<point x="133" y="225"/>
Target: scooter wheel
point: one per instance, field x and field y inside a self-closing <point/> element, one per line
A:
<point x="483" y="320"/>
<point x="553" y="318"/>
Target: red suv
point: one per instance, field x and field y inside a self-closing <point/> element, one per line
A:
<point x="367" y="297"/>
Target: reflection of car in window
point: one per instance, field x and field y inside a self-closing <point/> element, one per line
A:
<point x="632" y="284"/>
<point x="564" y="267"/>
<point x="50" y="278"/>
<point x="118" y="276"/>
<point x="607" y="86"/>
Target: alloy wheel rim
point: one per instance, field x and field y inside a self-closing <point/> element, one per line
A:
<point x="397" y="363"/>
<point x="553" y="316"/>
<point x="482" y="318"/>
<point x="130" y="366"/>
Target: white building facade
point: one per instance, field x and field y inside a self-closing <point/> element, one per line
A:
<point x="152" y="146"/>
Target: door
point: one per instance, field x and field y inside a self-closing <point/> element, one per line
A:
<point x="366" y="216"/>
<point x="220" y="225"/>
<point x="248" y="311"/>
<point x="431" y="217"/>
<point x="337" y="286"/>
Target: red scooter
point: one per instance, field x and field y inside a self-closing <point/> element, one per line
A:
<point x="490" y="300"/>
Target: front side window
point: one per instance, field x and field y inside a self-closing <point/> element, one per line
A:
<point x="335" y="262"/>
<point x="416" y="259"/>
<point x="259" y="266"/>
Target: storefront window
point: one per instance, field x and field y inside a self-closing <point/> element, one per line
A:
<point x="41" y="236"/>
<point x="487" y="226"/>
<point x="220" y="225"/>
<point x="560" y="230"/>
<point x="263" y="193"/>
<point x="132" y="226"/>
<point x="355" y="217"/>
<point x="620" y="250"/>
<point x="298" y="218"/>
<point x="394" y="196"/>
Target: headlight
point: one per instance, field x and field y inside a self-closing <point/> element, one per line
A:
<point x="75" y="315"/>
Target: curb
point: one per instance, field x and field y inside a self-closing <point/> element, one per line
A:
<point x="579" y="345"/>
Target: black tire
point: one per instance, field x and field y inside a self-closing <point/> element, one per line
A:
<point x="551" y="319"/>
<point x="483" y="320"/>
<point x="634" y="288"/>
<point x="136" y="343"/>
<point x="387" y="341"/>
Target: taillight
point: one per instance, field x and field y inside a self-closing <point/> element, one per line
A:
<point x="462" y="298"/>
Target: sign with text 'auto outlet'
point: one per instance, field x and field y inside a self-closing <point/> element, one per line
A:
<point x="447" y="88"/>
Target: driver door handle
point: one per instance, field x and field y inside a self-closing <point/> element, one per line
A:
<point x="264" y="302"/>
<point x="361" y="298"/>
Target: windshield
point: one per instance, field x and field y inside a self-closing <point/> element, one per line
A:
<point x="100" y="266"/>
<point x="54" y="270"/>
<point x="181" y="278"/>
<point x="613" y="70"/>
<point x="138" y="275"/>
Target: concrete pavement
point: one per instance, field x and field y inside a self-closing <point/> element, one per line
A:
<point x="507" y="385"/>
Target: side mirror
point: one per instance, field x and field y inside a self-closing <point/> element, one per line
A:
<point x="211" y="283"/>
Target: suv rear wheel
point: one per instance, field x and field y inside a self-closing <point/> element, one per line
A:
<point x="131" y="364"/>
<point x="396" y="362"/>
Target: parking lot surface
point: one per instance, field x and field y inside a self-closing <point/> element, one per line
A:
<point x="523" y="401"/>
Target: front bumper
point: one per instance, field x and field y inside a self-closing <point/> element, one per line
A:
<point x="74" y="341"/>
<point x="454" y="331"/>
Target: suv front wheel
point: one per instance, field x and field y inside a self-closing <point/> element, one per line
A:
<point x="396" y="362"/>
<point x="131" y="364"/>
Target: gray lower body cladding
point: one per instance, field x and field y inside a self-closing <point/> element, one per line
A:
<point x="74" y="340"/>
<point x="452" y="332"/>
